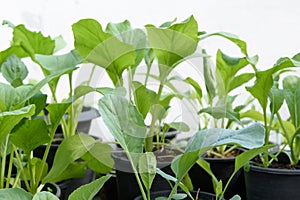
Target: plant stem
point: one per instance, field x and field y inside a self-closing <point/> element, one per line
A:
<point x="149" y="139"/>
<point x="3" y="163"/>
<point x="22" y="169"/>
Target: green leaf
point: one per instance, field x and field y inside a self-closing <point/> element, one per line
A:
<point x="250" y="137"/>
<point x="264" y="80"/>
<point x="33" y="169"/>
<point x="291" y="86"/>
<point x="74" y="170"/>
<point x="99" y="158"/>
<point x="242" y="159"/>
<point x="147" y="169"/>
<point x="57" y="112"/>
<point x="57" y="63"/>
<point x="173" y="44"/>
<point x="15" y="194"/>
<point x="135" y="37"/>
<point x="103" y="49"/>
<point x="124" y="121"/>
<point x="209" y="77"/>
<point x="276" y="98"/>
<point x="26" y="43"/>
<point x="39" y="100"/>
<point x="44" y="196"/>
<point x="88" y="191"/>
<point x="60" y="43"/>
<point x="195" y="85"/>
<point x="36" y="130"/>
<point x="8" y="120"/>
<point x="228" y="66"/>
<point x="14" y="70"/>
<point x="221" y="112"/>
<point x="240" y="80"/>
<point x="235" y="197"/>
<point x="179" y="126"/>
<point x="71" y="149"/>
<point x="143" y="98"/>
<point x="179" y="196"/>
<point x="233" y="38"/>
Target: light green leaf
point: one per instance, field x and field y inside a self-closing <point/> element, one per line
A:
<point x="147" y="168"/>
<point x="60" y="43"/>
<point x="179" y="196"/>
<point x="235" y="197"/>
<point x="8" y="120"/>
<point x="195" y="85"/>
<point x="71" y="149"/>
<point x="221" y="112"/>
<point x="99" y="158"/>
<point x="57" y="63"/>
<point x="240" y="80"/>
<point x="179" y="126"/>
<point x="103" y="49"/>
<point x="209" y="78"/>
<point x="36" y="130"/>
<point x="143" y="98"/>
<point x="174" y="43"/>
<point x="88" y="191"/>
<point x="124" y="121"/>
<point x="44" y="196"/>
<point x="228" y="66"/>
<point x="264" y="80"/>
<point x="291" y="86"/>
<point x="14" y="70"/>
<point x="276" y="98"/>
<point x="250" y="137"/>
<point x="15" y="194"/>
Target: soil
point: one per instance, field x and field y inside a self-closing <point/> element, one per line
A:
<point x="283" y="163"/>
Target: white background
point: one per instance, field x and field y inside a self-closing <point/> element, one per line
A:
<point x="271" y="28"/>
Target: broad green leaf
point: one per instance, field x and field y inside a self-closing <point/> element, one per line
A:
<point x="147" y="169"/>
<point x="242" y="159"/>
<point x="179" y="126"/>
<point x="173" y="44"/>
<point x="228" y="67"/>
<point x="235" y="197"/>
<point x="240" y="80"/>
<point x="143" y="98"/>
<point x="44" y="196"/>
<point x="195" y="85"/>
<point x="71" y="149"/>
<point x="7" y="97"/>
<point x="179" y="196"/>
<point x="103" y="49"/>
<point x="219" y="188"/>
<point x="250" y="137"/>
<point x="135" y="37"/>
<point x="291" y="85"/>
<point x="14" y="70"/>
<point x="8" y="120"/>
<point x="183" y="163"/>
<point x="99" y="158"/>
<point x="221" y="112"/>
<point x="88" y="191"/>
<point x="36" y="130"/>
<point x="57" y="63"/>
<point x="60" y="43"/>
<point x="57" y="112"/>
<point x="209" y="77"/>
<point x="15" y="194"/>
<point x="124" y="121"/>
<point x="233" y="38"/>
<point x="168" y="23"/>
<point x="264" y="80"/>
<point x="26" y="43"/>
<point x="74" y="170"/>
<point x="295" y="151"/>
<point x="158" y="112"/>
<point x="276" y="98"/>
<point x="39" y="100"/>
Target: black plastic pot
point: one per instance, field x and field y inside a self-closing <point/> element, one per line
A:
<point x="127" y="186"/>
<point x="85" y="119"/>
<point x="53" y="188"/>
<point x="222" y="169"/>
<point x="201" y="195"/>
<point x="272" y="184"/>
<point x="108" y="191"/>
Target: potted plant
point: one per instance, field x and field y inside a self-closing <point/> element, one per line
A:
<point x="116" y="55"/>
<point x="271" y="96"/>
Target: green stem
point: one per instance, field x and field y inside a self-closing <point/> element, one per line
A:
<point x="285" y="132"/>
<point x="136" y="175"/>
<point x="9" y="168"/>
<point x="25" y="179"/>
<point x="149" y="139"/>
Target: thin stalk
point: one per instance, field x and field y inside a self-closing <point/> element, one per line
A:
<point x="277" y="154"/>
<point x="149" y="139"/>
<point x="136" y="176"/>
<point x="9" y="168"/>
<point x="25" y="179"/>
<point x="3" y="164"/>
<point x="285" y="132"/>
